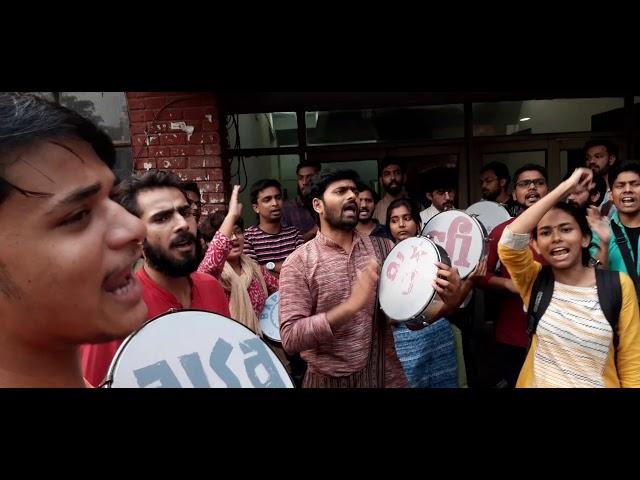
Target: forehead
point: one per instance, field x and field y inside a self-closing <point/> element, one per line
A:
<point x="529" y="175"/>
<point x="487" y="174"/>
<point x="393" y="168"/>
<point x="555" y="217"/>
<point x="345" y="183"/>
<point x="597" y="149"/>
<point x="153" y="200"/>
<point x="627" y="177"/>
<point x="57" y="168"/>
<point x="400" y="211"/>
<point x="306" y="171"/>
<point x="268" y="192"/>
<point x="365" y="194"/>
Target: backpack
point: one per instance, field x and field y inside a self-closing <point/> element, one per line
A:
<point x="609" y="295"/>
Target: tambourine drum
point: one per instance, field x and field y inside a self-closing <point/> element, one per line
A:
<point x="193" y="348"/>
<point x="490" y="214"/>
<point x="269" y="321"/>
<point x="462" y="236"/>
<point x="405" y="288"/>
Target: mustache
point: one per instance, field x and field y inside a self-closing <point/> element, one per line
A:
<point x="182" y="237"/>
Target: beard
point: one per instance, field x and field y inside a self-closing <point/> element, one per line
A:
<point x="334" y="218"/>
<point x="159" y="260"/>
<point x="393" y="189"/>
<point x="490" y="195"/>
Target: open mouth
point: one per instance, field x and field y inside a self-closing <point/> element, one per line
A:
<point x="560" y="253"/>
<point x="628" y="201"/>
<point x="351" y="208"/>
<point x="123" y="286"/>
<point x="532" y="197"/>
<point x="276" y="212"/>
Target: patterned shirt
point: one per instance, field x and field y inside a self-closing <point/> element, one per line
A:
<point x="266" y="247"/>
<point x="213" y="264"/>
<point x="314" y="279"/>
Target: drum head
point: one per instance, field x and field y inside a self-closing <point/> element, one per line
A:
<point x="193" y="348"/>
<point x="269" y="321"/>
<point x="405" y="287"/>
<point x="490" y="214"/>
<point x="462" y="236"/>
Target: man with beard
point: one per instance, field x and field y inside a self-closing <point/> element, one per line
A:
<point x="600" y="156"/>
<point x="440" y="190"/>
<point x="269" y="243"/>
<point x="510" y="320"/>
<point x="583" y="197"/>
<point x="392" y="179"/>
<point x="327" y="295"/>
<point x="171" y="257"/>
<point x="296" y="212"/>
<point x="494" y="185"/>
<point x="367" y="225"/>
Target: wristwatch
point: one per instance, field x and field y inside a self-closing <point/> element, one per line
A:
<point x="271" y="266"/>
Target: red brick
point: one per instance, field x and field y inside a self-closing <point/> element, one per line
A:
<point x="212" y="149"/>
<point x="196" y="139"/>
<point x="194" y="175"/>
<point x="145" y="163"/>
<point x="156" y="102"/>
<point x="158" y="94"/>
<point x="136" y="128"/>
<point x="139" y="139"/>
<point x="215" y="198"/>
<point x="170" y="114"/>
<point x="158" y="127"/>
<point x="135" y="94"/>
<point x="172" y="163"/>
<point x="150" y="115"/>
<point x="216" y="174"/>
<point x="210" y="125"/>
<point x="198" y="113"/>
<point x="197" y="101"/>
<point x="160" y="152"/>
<point x="211" y="187"/>
<point x="211" y="137"/>
<point x="140" y="152"/>
<point x="136" y="116"/>
<point x="173" y="138"/>
<point x="187" y="151"/>
<point x="135" y="104"/>
<point x="205" y="162"/>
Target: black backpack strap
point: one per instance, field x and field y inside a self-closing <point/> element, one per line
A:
<point x="610" y="297"/>
<point x="541" y="294"/>
<point x="623" y="245"/>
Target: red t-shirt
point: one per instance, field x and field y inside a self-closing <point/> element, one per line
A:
<point x="511" y="324"/>
<point x="206" y="294"/>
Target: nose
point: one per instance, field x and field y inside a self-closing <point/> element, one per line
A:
<point x="124" y="229"/>
<point x="555" y="235"/>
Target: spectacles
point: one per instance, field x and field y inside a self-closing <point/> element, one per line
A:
<point x="539" y="182"/>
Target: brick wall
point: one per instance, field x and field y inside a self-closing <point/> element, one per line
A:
<point x="179" y="131"/>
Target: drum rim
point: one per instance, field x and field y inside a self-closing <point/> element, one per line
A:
<point x="485" y="202"/>
<point x="485" y="247"/>
<point x="433" y="294"/>
<point x="279" y="340"/>
<point x="108" y="380"/>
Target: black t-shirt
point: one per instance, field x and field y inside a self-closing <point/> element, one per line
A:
<point x="633" y="234"/>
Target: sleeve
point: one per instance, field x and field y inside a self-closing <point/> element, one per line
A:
<point x="270" y="280"/>
<point x="216" y="256"/>
<point x="299" y="239"/>
<point x="628" y="353"/>
<point x="300" y="329"/>
<point x="492" y="259"/>
<point x="515" y="254"/>
<point x="595" y="240"/>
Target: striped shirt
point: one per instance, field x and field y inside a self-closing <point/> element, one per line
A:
<point x="574" y="339"/>
<point x="266" y="247"/>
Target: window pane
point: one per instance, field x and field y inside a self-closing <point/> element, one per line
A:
<point x="385" y="124"/>
<point x="262" y="130"/>
<point x="548" y="116"/>
<point x="124" y="162"/>
<point x="106" y="109"/>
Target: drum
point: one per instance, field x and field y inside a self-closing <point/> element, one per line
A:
<point x="405" y="288"/>
<point x="490" y="214"/>
<point x="193" y="348"/>
<point x="462" y="236"/>
<point x="269" y="321"/>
